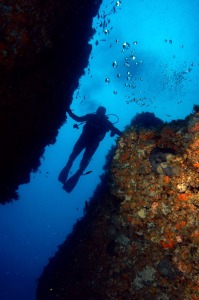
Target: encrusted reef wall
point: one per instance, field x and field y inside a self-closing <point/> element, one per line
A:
<point x="43" y="52"/>
<point x="139" y="237"/>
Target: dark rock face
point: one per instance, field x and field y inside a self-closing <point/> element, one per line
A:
<point x="146" y="119"/>
<point x="43" y="52"/>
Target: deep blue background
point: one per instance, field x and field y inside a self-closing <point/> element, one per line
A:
<point x="163" y="62"/>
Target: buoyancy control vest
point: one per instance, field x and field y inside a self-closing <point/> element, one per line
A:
<point x="96" y="127"/>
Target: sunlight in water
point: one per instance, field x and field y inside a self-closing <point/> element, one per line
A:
<point x="144" y="58"/>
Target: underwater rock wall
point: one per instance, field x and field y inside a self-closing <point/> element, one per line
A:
<point x="139" y="237"/>
<point x="43" y="52"/>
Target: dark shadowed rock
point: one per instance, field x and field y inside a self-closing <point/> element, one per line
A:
<point x="43" y="52"/>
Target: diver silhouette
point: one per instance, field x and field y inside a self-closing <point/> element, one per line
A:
<point x="95" y="128"/>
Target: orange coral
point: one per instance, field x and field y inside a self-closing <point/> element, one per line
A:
<point x="124" y="157"/>
<point x="194" y="128"/>
<point x="195" y="235"/>
<point x="195" y="145"/>
<point x="197" y="152"/>
<point x="183" y="197"/>
<point x="138" y="164"/>
<point x="166" y="179"/>
<point x="168" y="244"/>
<point x="183" y="267"/>
<point x="130" y="219"/>
<point x="178" y="239"/>
<point x="180" y="225"/>
<point x="194" y="297"/>
<point x="147" y="136"/>
<point x="196" y="165"/>
<point x="168" y="132"/>
<point x="154" y="207"/>
<point x="191" y="207"/>
<point x="126" y="206"/>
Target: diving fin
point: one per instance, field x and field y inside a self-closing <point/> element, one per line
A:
<point x="70" y="184"/>
<point x="63" y="175"/>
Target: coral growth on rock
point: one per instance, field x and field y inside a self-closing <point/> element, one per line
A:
<point x="162" y="206"/>
<point x="139" y="238"/>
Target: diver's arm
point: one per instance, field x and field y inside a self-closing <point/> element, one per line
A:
<point x="115" y="130"/>
<point x="76" y="118"/>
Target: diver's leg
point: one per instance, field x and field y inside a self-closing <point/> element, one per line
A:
<point x="72" y="181"/>
<point x="79" y="146"/>
<point x="90" y="150"/>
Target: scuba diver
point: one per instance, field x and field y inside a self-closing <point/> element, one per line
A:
<point x="95" y="128"/>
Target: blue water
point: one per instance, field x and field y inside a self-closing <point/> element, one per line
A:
<point x="162" y="61"/>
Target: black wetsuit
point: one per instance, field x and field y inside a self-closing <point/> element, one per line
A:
<point x="94" y="131"/>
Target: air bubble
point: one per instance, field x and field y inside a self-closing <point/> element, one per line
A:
<point x="118" y="3"/>
<point x="114" y="64"/>
<point x="107" y="80"/>
<point x="126" y="64"/>
<point x="126" y="45"/>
